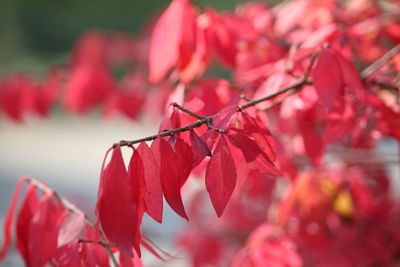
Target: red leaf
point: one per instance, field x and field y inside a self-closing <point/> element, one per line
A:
<point x="93" y="255"/>
<point x="28" y="208"/>
<point x="153" y="194"/>
<point x="116" y="205"/>
<point x="136" y="176"/>
<point x="171" y="177"/>
<point x="252" y="152"/>
<point x="43" y="230"/>
<point x="184" y="158"/>
<point x="128" y="262"/>
<point x="167" y="38"/>
<point x="261" y="135"/>
<point x="88" y="85"/>
<point x="10" y="217"/>
<point x="221" y="176"/>
<point x="351" y="77"/>
<point x="223" y="118"/>
<point x="68" y="255"/>
<point x="327" y="78"/>
<point x="312" y="140"/>
<point x="199" y="147"/>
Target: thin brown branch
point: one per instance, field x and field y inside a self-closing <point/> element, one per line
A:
<point x="380" y="62"/>
<point x="314" y="57"/>
<point x="207" y="120"/>
<point x="189" y="127"/>
<point x="197" y="116"/>
<point x="298" y="84"/>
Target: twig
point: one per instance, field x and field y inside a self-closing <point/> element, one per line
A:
<point x="380" y="62"/>
<point x="298" y="84"/>
<point x="165" y="133"/>
<point x="207" y="120"/>
<point x="314" y="57"/>
<point x="176" y="105"/>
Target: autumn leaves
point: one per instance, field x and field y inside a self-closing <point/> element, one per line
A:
<point x="158" y="171"/>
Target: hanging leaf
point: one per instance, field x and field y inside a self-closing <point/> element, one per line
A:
<point x="153" y="193"/>
<point x="171" y="177"/>
<point x="136" y="178"/>
<point x="116" y="205"/>
<point x="199" y="147"/>
<point x="327" y="78"/>
<point x="261" y="135"/>
<point x="221" y="176"/>
<point x="172" y="38"/>
<point x="43" y="230"/>
<point x="252" y="152"/>
<point x="184" y="157"/>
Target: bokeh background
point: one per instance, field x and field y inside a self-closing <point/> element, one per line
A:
<point x="66" y="150"/>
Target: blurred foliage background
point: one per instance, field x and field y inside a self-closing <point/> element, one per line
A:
<point x="35" y="34"/>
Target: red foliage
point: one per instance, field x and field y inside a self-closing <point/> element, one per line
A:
<point x="312" y="82"/>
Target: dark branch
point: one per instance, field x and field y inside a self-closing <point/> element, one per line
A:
<point x="175" y="105"/>
<point x="207" y="120"/>
<point x="299" y="84"/>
